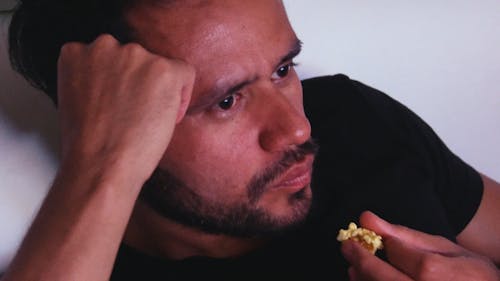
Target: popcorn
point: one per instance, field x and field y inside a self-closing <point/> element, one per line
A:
<point x="367" y="238"/>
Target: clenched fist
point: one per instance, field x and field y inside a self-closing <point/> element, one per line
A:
<point x="118" y="105"/>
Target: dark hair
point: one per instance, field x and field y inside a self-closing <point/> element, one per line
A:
<point x="39" y="28"/>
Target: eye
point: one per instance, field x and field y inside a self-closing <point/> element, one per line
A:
<point x="227" y="103"/>
<point x="228" y="106"/>
<point x="283" y="71"/>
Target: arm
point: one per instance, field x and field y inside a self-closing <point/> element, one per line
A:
<point x="482" y="234"/>
<point x="413" y="255"/>
<point x="118" y="107"/>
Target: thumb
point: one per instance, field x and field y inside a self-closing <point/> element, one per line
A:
<point x="407" y="235"/>
<point x="373" y="222"/>
<point x="187" y="77"/>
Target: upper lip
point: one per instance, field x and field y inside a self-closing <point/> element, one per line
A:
<point x="295" y="171"/>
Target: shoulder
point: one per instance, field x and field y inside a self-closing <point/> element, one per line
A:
<point x="368" y="139"/>
<point x="339" y="92"/>
<point x="360" y="111"/>
<point x="349" y="105"/>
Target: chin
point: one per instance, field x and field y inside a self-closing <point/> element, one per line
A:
<point x="292" y="209"/>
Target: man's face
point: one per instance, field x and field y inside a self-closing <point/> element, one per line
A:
<point x="236" y="164"/>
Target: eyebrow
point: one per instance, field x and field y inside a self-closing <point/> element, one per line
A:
<point x="215" y="94"/>
<point x="219" y="92"/>
<point x="294" y="51"/>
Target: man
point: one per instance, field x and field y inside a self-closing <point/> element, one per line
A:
<point x="192" y="146"/>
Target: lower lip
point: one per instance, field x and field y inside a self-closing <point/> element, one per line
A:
<point x="295" y="184"/>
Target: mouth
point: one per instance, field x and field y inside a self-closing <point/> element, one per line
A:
<point x="296" y="177"/>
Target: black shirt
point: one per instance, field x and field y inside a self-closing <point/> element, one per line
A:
<point x="375" y="154"/>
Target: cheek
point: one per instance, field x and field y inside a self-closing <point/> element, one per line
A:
<point x="210" y="159"/>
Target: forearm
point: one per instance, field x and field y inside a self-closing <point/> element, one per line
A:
<point x="78" y="230"/>
<point x="116" y="122"/>
<point x="482" y="233"/>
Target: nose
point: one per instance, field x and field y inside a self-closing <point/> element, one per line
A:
<point x="284" y="123"/>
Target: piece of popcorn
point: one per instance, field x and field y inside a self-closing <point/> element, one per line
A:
<point x="367" y="238"/>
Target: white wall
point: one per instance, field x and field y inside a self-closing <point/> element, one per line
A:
<point x="28" y="145"/>
<point x="441" y="58"/>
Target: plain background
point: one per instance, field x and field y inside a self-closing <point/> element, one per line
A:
<point x="439" y="57"/>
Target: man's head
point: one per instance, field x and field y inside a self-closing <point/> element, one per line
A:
<point x="239" y="162"/>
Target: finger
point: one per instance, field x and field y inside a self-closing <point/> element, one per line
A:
<point x="409" y="236"/>
<point x="104" y="40"/>
<point x="354" y="275"/>
<point x="186" y="92"/>
<point x="424" y="265"/>
<point x="366" y="266"/>
<point x="413" y="261"/>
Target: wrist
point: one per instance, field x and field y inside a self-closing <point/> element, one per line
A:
<point x="104" y="169"/>
<point x="101" y="172"/>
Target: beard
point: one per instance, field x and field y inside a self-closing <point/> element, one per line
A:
<point x="173" y="199"/>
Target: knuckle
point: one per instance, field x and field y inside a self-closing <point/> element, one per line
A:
<point x="69" y="51"/>
<point x="161" y="66"/>
<point x="133" y="48"/>
<point x="70" y="48"/>
<point x="105" y="38"/>
<point x="103" y="41"/>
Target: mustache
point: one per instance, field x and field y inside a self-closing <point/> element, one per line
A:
<point x="290" y="157"/>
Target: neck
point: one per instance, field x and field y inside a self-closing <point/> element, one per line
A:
<point x="159" y="236"/>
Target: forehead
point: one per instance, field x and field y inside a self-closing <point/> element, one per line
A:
<point x="213" y="33"/>
<point x="174" y="26"/>
<point x="227" y="41"/>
